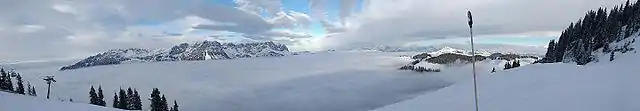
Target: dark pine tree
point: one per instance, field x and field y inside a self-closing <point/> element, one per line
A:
<point x="115" y="101"/>
<point x="9" y="82"/>
<point x="29" y="91"/>
<point x="164" y="105"/>
<point x="137" y="103"/>
<point x="3" y="86"/>
<point x="93" y="97"/>
<point x="20" y="87"/>
<point x="100" y="99"/>
<point x="507" y="65"/>
<point x="156" y="100"/>
<point x="4" y="81"/>
<point x="122" y="100"/>
<point x="130" y="99"/>
<point x="33" y="90"/>
<point x="175" y="106"/>
<point x="612" y="56"/>
<point x="550" y="55"/>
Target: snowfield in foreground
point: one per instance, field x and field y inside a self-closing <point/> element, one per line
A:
<point x="603" y="86"/>
<point x="13" y="102"/>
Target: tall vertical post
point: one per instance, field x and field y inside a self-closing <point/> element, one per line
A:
<point x="48" y="89"/>
<point x="49" y="80"/>
<point x="473" y="57"/>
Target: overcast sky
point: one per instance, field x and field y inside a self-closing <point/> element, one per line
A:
<point x="57" y="29"/>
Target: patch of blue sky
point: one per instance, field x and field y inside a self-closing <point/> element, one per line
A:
<point x="296" y="5"/>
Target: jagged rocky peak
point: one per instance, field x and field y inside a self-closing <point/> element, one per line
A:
<point x="202" y="50"/>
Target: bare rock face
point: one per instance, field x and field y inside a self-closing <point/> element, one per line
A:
<point x="184" y="52"/>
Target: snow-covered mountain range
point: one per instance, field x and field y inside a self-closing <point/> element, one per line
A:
<point x="465" y="49"/>
<point x="204" y="50"/>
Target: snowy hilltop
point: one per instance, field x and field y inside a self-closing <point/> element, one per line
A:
<point x="204" y="50"/>
<point x="15" y="102"/>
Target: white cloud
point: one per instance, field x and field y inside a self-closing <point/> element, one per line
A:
<point x="257" y="6"/>
<point x="287" y="34"/>
<point x="30" y="28"/>
<point x="65" y="8"/>
<point x="396" y="22"/>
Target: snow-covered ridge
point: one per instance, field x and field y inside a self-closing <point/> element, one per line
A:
<point x="204" y="50"/>
<point x="463" y="49"/>
<point x="395" y="49"/>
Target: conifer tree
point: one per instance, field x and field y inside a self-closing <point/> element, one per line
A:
<point x="5" y="81"/>
<point x="33" y="90"/>
<point x="9" y="82"/>
<point x="155" y="104"/>
<point x="175" y="106"/>
<point x="20" y="87"/>
<point x="612" y="56"/>
<point x="130" y="99"/>
<point x="137" y="103"/>
<point x="29" y="91"/>
<point x="507" y="65"/>
<point x="115" y="101"/>
<point x="2" y="85"/>
<point x="122" y="100"/>
<point x="164" y="105"/>
<point x="550" y="52"/>
<point x="100" y="99"/>
<point x="93" y="97"/>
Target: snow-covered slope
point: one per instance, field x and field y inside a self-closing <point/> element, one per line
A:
<point x="13" y="102"/>
<point x="205" y="50"/>
<point x="603" y="86"/>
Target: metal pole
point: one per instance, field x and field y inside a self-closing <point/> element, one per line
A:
<point x="48" y="90"/>
<point x="473" y="57"/>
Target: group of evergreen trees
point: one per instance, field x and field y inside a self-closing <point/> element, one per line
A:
<point x="516" y="63"/>
<point x="159" y="103"/>
<point x="6" y="83"/>
<point x="130" y="100"/>
<point x="596" y="30"/>
<point x="97" y="98"/>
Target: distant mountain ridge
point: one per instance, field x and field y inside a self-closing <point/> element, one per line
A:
<point x="204" y="50"/>
<point x="482" y="49"/>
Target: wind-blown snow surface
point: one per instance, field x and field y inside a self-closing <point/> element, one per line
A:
<point x="603" y="86"/>
<point x="13" y="102"/>
<point x="336" y="81"/>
